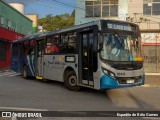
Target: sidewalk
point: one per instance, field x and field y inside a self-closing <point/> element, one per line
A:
<point x="4" y="68"/>
<point x="1" y="71"/>
<point x="152" y="81"/>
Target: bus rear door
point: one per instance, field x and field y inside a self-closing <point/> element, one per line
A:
<point x="40" y="59"/>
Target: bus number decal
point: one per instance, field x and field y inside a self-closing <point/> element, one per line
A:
<point x="121" y="74"/>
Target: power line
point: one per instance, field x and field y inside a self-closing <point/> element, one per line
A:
<point x="60" y="3"/>
<point x="66" y="4"/>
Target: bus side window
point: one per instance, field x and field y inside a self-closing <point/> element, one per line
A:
<point x="68" y="43"/>
<point x="32" y="47"/>
<point x="72" y="42"/>
<point x="63" y="44"/>
<point x="26" y="48"/>
<point x="52" y="45"/>
<point x="48" y="45"/>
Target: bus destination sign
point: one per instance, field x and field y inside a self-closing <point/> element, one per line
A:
<point x="119" y="26"/>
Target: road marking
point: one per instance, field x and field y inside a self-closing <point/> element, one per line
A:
<point x="25" y="109"/>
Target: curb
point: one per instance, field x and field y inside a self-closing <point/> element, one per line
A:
<point x="146" y="85"/>
<point x="152" y="74"/>
<point x="1" y="71"/>
<point x="151" y="85"/>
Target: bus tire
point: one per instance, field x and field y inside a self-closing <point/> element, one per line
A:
<point x="71" y="81"/>
<point x="25" y="72"/>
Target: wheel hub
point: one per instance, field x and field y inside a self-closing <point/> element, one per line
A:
<point x="72" y="81"/>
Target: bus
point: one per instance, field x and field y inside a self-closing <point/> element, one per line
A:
<point x="102" y="54"/>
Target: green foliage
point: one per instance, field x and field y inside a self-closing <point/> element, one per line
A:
<point x="51" y="22"/>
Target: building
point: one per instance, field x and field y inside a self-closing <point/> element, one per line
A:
<point x="34" y="19"/>
<point x="13" y="25"/>
<point x="40" y="29"/>
<point x="88" y="10"/>
<point x="145" y="13"/>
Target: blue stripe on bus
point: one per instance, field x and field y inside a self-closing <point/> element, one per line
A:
<point x="32" y="63"/>
<point x="30" y="69"/>
<point x="107" y="82"/>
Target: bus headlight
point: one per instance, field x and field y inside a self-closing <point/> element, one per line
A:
<point x="109" y="73"/>
<point x="105" y="71"/>
<point x="112" y="75"/>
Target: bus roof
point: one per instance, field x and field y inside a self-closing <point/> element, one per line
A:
<point x="49" y="33"/>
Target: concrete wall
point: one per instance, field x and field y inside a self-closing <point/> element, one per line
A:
<point x="135" y="6"/>
<point x="122" y="9"/>
<point x="146" y="22"/>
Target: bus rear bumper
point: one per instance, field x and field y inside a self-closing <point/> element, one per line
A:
<point x="107" y="82"/>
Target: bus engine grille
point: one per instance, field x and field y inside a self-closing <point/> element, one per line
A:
<point x="129" y="80"/>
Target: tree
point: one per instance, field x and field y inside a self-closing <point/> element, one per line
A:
<point x="51" y="22"/>
<point x="49" y="16"/>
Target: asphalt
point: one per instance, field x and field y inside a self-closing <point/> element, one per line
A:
<point x="150" y="80"/>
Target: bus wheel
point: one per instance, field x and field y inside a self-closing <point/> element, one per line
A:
<point x="25" y="72"/>
<point x="71" y="81"/>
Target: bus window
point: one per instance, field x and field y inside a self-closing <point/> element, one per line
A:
<point x="26" y="48"/>
<point x="32" y="47"/>
<point x="68" y="43"/>
<point x="72" y="42"/>
<point x="52" y="45"/>
<point x="63" y="44"/>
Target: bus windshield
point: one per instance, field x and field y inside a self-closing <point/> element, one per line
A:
<point x="123" y="47"/>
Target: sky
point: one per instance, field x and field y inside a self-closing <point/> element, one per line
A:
<point x="45" y="7"/>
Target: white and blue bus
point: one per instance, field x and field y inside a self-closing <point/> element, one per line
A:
<point x="102" y="54"/>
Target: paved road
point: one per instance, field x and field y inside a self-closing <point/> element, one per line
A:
<point x="17" y="93"/>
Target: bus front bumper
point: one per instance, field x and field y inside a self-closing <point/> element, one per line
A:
<point x="107" y="82"/>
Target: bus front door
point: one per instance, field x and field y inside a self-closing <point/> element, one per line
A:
<point x="87" y="59"/>
<point x="40" y="60"/>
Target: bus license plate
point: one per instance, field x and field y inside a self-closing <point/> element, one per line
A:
<point x="130" y="81"/>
